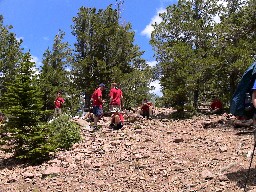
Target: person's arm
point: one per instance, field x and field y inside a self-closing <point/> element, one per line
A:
<point x="122" y="99"/>
<point x="254" y="98"/>
<point x="100" y="99"/>
<point x="111" y="98"/>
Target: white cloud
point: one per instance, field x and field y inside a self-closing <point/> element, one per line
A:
<point x="156" y="19"/>
<point x="157" y="89"/>
<point x="216" y="18"/>
<point x="36" y="60"/>
<point x="152" y="63"/>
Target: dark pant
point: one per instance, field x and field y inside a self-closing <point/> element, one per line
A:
<point x="117" y="126"/>
<point x="97" y="111"/>
<point x="145" y="114"/>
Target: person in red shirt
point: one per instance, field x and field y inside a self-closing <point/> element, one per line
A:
<point x="113" y="97"/>
<point x="97" y="103"/>
<point x="116" y="97"/>
<point x="216" y="106"/>
<point x="146" y="108"/>
<point x="117" y="120"/>
<point x="58" y="102"/>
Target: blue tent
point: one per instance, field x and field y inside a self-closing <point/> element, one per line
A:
<point x="244" y="86"/>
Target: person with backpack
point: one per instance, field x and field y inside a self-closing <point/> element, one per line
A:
<point x="254" y="102"/>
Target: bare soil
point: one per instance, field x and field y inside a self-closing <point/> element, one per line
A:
<point x="203" y="153"/>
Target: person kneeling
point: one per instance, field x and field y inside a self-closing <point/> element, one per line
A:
<point x="117" y="120"/>
<point x="216" y="106"/>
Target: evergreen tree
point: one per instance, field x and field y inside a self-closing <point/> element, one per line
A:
<point x="105" y="53"/>
<point x="182" y="41"/>
<point x="234" y="45"/>
<point x="55" y="75"/>
<point x="10" y="54"/>
<point x="23" y="107"/>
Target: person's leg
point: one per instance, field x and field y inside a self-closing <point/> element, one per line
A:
<point x="86" y="115"/>
<point x="55" y="112"/>
<point x="254" y="119"/>
<point x="96" y="118"/>
<point x="117" y="119"/>
<point x="147" y="114"/>
<point x="150" y="111"/>
<point x="98" y="113"/>
<point x="143" y="113"/>
<point x="119" y="125"/>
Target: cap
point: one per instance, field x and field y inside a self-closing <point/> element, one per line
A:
<point x="102" y="85"/>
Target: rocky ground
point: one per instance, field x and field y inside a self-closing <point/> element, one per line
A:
<point x="204" y="153"/>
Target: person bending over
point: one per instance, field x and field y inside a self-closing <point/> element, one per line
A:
<point x="117" y="120"/>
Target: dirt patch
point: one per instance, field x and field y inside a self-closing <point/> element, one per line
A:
<point x="204" y="153"/>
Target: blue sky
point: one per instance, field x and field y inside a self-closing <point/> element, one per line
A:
<point x="38" y="21"/>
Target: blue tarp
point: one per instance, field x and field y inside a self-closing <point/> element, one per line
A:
<point x="244" y="86"/>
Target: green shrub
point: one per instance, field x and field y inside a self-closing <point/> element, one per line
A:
<point x="63" y="132"/>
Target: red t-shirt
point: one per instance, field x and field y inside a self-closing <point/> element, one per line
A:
<point x="121" y="117"/>
<point x="216" y="104"/>
<point x="120" y="94"/>
<point x="145" y="106"/>
<point x="116" y="96"/>
<point x="58" y="102"/>
<point x="95" y="96"/>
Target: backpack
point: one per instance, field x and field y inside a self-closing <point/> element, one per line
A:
<point x="237" y="104"/>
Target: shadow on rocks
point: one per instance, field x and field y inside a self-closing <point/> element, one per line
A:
<point x="241" y="177"/>
<point x="13" y="162"/>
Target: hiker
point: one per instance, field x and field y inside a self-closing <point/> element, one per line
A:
<point x="97" y="103"/>
<point x="116" y="96"/>
<point x="146" y="108"/>
<point x="216" y="106"/>
<point x="58" y="103"/>
<point x="117" y="120"/>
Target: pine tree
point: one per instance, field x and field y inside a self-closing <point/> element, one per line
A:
<point x="105" y="52"/>
<point x="10" y="54"/>
<point x="55" y="76"/>
<point x="23" y="107"/>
